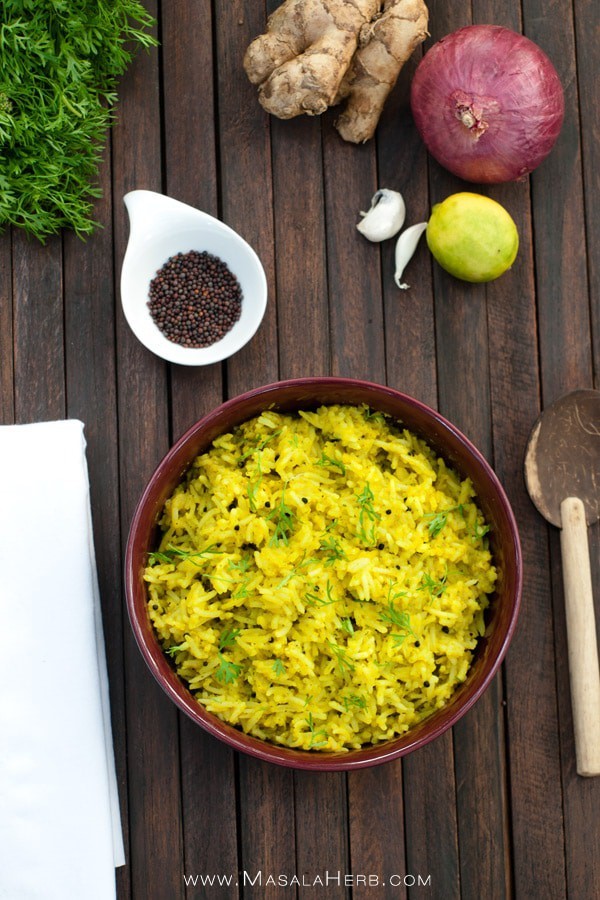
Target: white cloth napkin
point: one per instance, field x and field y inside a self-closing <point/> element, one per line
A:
<point x="60" y="829"/>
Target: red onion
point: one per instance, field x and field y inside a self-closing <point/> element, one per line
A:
<point x="487" y="103"/>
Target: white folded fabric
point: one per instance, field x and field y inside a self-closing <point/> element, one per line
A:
<point x="60" y="830"/>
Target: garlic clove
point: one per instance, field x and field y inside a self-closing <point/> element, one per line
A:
<point x="386" y="216"/>
<point x="405" y="248"/>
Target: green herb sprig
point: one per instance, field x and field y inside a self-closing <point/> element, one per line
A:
<point x="354" y="701"/>
<point x="278" y="667"/>
<point x="396" y="618"/>
<point x="295" y="571"/>
<point x="433" y="587"/>
<point x="313" y="599"/>
<point x="367" y="514"/>
<point x="331" y="463"/>
<point x="240" y="590"/>
<point x="171" y="553"/>
<point x="242" y="565"/>
<point x="260" y="445"/>
<point x="332" y="550"/>
<point x="479" y="531"/>
<point x="315" y="734"/>
<point x="374" y="415"/>
<point x="59" y="65"/>
<point x="347" y="626"/>
<point x="228" y="637"/>
<point x="344" y="662"/>
<point x="228" y="671"/>
<point x="439" y="520"/>
<point x="283" y="516"/>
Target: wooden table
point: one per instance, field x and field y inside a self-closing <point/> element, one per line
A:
<point x="494" y="808"/>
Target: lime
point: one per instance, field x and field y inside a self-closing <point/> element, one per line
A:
<point x="472" y="237"/>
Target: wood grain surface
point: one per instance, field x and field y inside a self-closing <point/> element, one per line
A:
<point x="495" y="808"/>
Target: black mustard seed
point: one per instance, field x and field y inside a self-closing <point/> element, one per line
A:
<point x="195" y="299"/>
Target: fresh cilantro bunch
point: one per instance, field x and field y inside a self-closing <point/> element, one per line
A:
<point x="59" y="64"/>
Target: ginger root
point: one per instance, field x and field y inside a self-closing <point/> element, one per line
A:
<point x="384" y="46"/>
<point x="301" y="60"/>
<point x="317" y="52"/>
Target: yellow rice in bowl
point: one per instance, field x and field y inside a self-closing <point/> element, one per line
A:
<point x="321" y="579"/>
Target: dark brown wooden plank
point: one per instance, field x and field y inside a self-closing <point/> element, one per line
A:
<point x="38" y="329"/>
<point x="531" y="713"/>
<point x="431" y="819"/>
<point x="91" y="396"/>
<point x="588" y="64"/>
<point x="582" y="796"/>
<point x="429" y="773"/>
<point x="156" y="849"/>
<point x="209" y="811"/>
<point x="482" y="798"/>
<point x="376" y="795"/>
<point x="7" y="408"/>
<point x="246" y="178"/>
<point x="357" y="351"/>
<point x="353" y="264"/>
<point x="532" y="727"/>
<point x="566" y="363"/>
<point x="189" y="103"/>
<point x="465" y="373"/>
<point x="377" y="831"/>
<point x="409" y="315"/>
<point x="301" y="262"/>
<point x="559" y="235"/>
<point x="321" y="806"/>
<point x="464" y="378"/>
<point x="267" y="841"/>
<point x="190" y="165"/>
<point x="267" y="827"/>
<point x="207" y="766"/>
<point x="303" y="340"/>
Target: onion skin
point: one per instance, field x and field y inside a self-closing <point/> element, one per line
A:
<point x="488" y="104"/>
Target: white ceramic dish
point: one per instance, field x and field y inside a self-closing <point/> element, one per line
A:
<point x="160" y="227"/>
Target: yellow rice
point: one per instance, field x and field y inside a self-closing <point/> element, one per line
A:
<point x="321" y="579"/>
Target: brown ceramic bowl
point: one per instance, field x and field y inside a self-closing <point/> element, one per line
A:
<point x="448" y="442"/>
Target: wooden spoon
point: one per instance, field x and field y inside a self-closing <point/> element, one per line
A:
<point x="562" y="471"/>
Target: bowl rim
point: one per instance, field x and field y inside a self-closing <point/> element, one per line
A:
<point x="302" y="759"/>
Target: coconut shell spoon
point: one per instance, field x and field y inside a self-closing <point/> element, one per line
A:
<point x="562" y="472"/>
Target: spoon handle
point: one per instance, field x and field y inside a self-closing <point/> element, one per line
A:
<point x="581" y="636"/>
